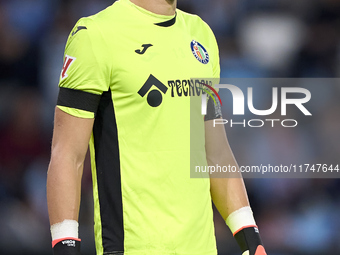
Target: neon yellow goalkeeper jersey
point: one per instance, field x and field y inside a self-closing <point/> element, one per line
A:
<point x="130" y="69"/>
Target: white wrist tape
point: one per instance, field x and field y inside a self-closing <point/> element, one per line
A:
<point x="67" y="228"/>
<point x="240" y="218"/>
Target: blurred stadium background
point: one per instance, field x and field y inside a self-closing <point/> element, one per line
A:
<point x="257" y="38"/>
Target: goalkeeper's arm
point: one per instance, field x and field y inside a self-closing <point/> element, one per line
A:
<point x="69" y="146"/>
<point x="229" y="194"/>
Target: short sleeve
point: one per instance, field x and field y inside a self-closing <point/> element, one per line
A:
<point x="214" y="110"/>
<point x="209" y="39"/>
<point x="85" y="72"/>
<point x="216" y="60"/>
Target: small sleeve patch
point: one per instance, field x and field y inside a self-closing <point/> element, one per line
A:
<point x="67" y="63"/>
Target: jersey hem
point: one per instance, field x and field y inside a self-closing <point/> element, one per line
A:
<point x="152" y="252"/>
<point x="76" y="112"/>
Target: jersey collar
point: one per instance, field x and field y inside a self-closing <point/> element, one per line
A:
<point x="167" y="23"/>
<point x="156" y="19"/>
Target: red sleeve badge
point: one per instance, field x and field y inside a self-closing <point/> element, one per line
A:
<point x="67" y="63"/>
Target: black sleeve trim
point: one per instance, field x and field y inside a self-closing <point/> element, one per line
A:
<point x="213" y="111"/>
<point x="248" y="239"/>
<point x="78" y="99"/>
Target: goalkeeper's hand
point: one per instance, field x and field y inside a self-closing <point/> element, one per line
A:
<point x="249" y="241"/>
<point x="67" y="246"/>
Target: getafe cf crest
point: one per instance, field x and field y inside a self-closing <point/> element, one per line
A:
<point x="199" y="52"/>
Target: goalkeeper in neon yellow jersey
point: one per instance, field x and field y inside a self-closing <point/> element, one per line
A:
<point x="125" y="90"/>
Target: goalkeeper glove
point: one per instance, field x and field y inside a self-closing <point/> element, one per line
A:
<point x="65" y="238"/>
<point x="245" y="231"/>
<point x="67" y="246"/>
<point x="249" y="241"/>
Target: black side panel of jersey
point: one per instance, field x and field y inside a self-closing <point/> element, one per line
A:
<point x="108" y="175"/>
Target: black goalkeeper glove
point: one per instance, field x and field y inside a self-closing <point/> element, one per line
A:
<point x="66" y="247"/>
<point x="242" y="224"/>
<point x="249" y="241"/>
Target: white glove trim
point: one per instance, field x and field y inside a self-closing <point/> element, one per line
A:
<point x="240" y="218"/>
<point x="67" y="228"/>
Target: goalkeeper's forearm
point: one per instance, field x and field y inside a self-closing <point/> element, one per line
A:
<point x="63" y="198"/>
<point x="63" y="188"/>
<point x="70" y="141"/>
<point x="230" y="199"/>
<point x="229" y="193"/>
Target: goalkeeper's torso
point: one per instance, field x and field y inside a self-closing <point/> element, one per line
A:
<point x="141" y="65"/>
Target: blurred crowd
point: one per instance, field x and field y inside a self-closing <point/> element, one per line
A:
<point x="257" y="38"/>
